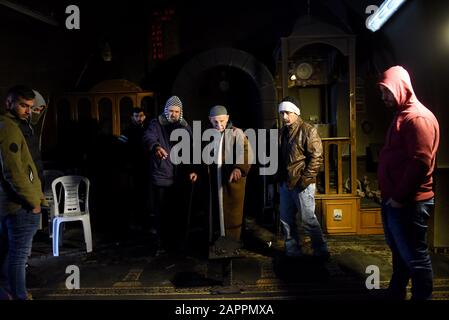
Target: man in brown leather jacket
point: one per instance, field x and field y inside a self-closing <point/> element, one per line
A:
<point x="301" y="155"/>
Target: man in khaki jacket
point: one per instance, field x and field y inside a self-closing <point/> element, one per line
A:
<point x="301" y="155"/>
<point x="21" y="195"/>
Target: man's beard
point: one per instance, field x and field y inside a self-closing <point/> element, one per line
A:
<point x="21" y="117"/>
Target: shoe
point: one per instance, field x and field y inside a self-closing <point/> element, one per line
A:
<point x="322" y="257"/>
<point x="388" y="294"/>
<point x="294" y="254"/>
<point x="160" y="251"/>
<point x="292" y="249"/>
<point x="5" y="295"/>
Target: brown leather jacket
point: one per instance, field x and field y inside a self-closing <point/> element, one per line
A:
<point x="301" y="154"/>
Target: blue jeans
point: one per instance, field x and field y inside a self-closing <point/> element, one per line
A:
<point x="16" y="237"/>
<point x="292" y="201"/>
<point x="406" y="235"/>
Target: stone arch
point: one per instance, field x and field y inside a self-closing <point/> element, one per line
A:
<point x="239" y="59"/>
<point x="341" y="46"/>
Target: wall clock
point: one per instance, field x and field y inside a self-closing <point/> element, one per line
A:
<point x="304" y="71"/>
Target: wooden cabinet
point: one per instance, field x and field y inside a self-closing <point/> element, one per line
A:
<point x="345" y="216"/>
<point x="370" y="221"/>
<point x="340" y="215"/>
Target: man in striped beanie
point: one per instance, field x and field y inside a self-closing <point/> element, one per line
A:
<point x="165" y="176"/>
<point x="173" y="109"/>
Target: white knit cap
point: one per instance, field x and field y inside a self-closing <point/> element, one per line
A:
<point x="289" y="106"/>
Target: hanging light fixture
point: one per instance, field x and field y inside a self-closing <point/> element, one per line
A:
<point x="106" y="52"/>
<point x="385" y="11"/>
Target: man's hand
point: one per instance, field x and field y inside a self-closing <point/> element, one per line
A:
<point x="236" y="174"/>
<point x="36" y="210"/>
<point x="193" y="177"/>
<point x="394" y="204"/>
<point x="161" y="153"/>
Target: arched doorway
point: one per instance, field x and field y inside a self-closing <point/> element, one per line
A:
<point x="246" y="87"/>
<point x="232" y="88"/>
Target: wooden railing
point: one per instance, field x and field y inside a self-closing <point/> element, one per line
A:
<point x="94" y="101"/>
<point x="340" y="142"/>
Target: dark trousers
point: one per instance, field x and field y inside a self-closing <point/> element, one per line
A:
<point x="406" y="235"/>
<point x="162" y="209"/>
<point x="139" y="200"/>
<point x="169" y="215"/>
<point x="16" y="236"/>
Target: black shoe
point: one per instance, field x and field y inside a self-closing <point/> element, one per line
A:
<point x="160" y="252"/>
<point x="5" y="295"/>
<point x="388" y="294"/>
<point x="322" y="257"/>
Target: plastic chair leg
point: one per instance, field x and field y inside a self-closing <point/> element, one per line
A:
<point x="50" y="218"/>
<point x="61" y="228"/>
<point x="87" y="234"/>
<point x="55" y="238"/>
<point x="40" y="222"/>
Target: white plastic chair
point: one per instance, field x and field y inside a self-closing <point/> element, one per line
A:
<point x="72" y="209"/>
<point x="49" y="176"/>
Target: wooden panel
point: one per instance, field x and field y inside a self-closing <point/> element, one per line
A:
<point x="439" y="220"/>
<point x="140" y="96"/>
<point x="101" y="113"/>
<point x="370" y="221"/>
<point x="352" y="114"/>
<point x="131" y="96"/>
<point x="326" y="169"/>
<point x="340" y="216"/>
<point x="339" y="168"/>
<point x="339" y="142"/>
<point x="378" y="220"/>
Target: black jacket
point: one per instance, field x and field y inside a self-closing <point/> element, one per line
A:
<point x="32" y="140"/>
<point x="163" y="172"/>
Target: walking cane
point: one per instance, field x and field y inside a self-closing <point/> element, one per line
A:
<point x="189" y="213"/>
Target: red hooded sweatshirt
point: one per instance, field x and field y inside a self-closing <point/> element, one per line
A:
<point x="407" y="160"/>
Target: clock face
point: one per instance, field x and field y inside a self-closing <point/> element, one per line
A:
<point x="304" y="71"/>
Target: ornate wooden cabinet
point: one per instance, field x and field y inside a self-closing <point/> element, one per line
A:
<point x="317" y="65"/>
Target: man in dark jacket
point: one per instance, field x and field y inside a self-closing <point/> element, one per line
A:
<point x="21" y="195"/>
<point x="134" y="158"/>
<point x="406" y="165"/>
<point x="164" y="174"/>
<point x="31" y="131"/>
<point x="133" y="133"/>
<point x="300" y="160"/>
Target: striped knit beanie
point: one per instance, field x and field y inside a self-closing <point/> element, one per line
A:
<point x="173" y="101"/>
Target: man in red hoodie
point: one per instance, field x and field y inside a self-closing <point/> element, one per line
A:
<point x="406" y="164"/>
